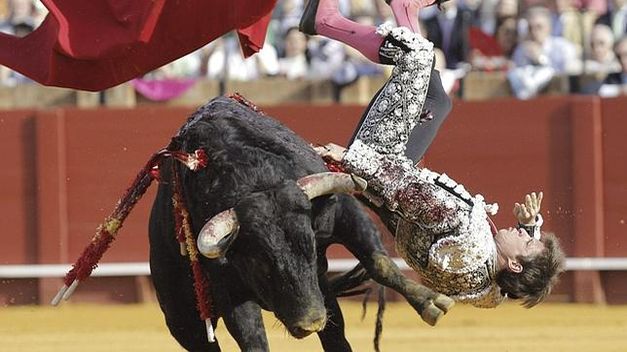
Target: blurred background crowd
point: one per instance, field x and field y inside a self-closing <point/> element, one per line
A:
<point x="529" y="42"/>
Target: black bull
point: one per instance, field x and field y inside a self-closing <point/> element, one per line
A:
<point x="278" y="260"/>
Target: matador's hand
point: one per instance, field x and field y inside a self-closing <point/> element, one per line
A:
<point x="331" y="150"/>
<point x="526" y="213"/>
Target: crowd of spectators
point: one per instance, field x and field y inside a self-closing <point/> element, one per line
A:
<point x="530" y="41"/>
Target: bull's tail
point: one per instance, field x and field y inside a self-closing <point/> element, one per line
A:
<point x="378" y="328"/>
<point x="347" y="284"/>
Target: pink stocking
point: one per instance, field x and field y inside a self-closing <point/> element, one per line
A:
<point x="406" y="13"/>
<point x="331" y="24"/>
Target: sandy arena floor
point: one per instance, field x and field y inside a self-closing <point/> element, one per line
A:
<point x="550" y="327"/>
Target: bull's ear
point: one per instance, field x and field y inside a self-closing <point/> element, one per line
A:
<point x="218" y="234"/>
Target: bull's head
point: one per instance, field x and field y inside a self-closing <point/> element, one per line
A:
<point x="276" y="254"/>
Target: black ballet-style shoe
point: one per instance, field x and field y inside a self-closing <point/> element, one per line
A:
<point x="436" y="2"/>
<point x="307" y="23"/>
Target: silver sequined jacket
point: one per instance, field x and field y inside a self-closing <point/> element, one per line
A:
<point x="443" y="232"/>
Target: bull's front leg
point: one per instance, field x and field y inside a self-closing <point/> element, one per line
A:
<point x="355" y="230"/>
<point x="172" y="278"/>
<point x="245" y="324"/>
<point x="429" y="304"/>
<point x="333" y="336"/>
<point x="174" y="288"/>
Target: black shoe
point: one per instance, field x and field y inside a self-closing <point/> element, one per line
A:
<point x="307" y="23"/>
<point x="439" y="3"/>
<point x="436" y="2"/>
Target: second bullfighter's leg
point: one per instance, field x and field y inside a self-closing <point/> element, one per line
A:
<point x="355" y="230"/>
<point x="245" y="324"/>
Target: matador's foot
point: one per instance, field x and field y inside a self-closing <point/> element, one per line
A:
<point x="307" y="23"/>
<point x="418" y="4"/>
<point x="332" y="151"/>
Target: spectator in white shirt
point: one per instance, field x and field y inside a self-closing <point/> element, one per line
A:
<point x="540" y="48"/>
<point x="226" y="60"/>
<point x="541" y="56"/>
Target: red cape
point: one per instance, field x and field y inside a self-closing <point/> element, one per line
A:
<point x="97" y="44"/>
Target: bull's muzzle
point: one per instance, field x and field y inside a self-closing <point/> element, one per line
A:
<point x="221" y="230"/>
<point x="308" y="326"/>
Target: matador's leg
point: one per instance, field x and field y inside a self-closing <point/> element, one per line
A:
<point x="411" y="93"/>
<point x="437" y="103"/>
<point x="323" y="17"/>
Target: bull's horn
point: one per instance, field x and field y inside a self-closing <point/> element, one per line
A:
<point x="214" y="239"/>
<point x="331" y="182"/>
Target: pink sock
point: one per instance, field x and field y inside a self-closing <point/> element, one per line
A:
<point x="331" y="24"/>
<point x="406" y="13"/>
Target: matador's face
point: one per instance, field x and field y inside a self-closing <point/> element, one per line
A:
<point x="513" y="243"/>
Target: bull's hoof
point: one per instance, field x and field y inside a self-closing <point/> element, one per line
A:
<point x="431" y="314"/>
<point x="444" y="303"/>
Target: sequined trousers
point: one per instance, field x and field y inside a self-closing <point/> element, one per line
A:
<point x="396" y="110"/>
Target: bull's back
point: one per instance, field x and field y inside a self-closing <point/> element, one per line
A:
<point x="249" y="139"/>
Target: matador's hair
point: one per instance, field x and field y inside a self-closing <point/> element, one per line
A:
<point x="539" y="275"/>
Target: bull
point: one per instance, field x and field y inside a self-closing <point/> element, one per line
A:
<point x="266" y="224"/>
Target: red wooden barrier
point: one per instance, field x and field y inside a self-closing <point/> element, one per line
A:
<point x="17" y="201"/>
<point x="615" y="192"/>
<point x="70" y="166"/>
